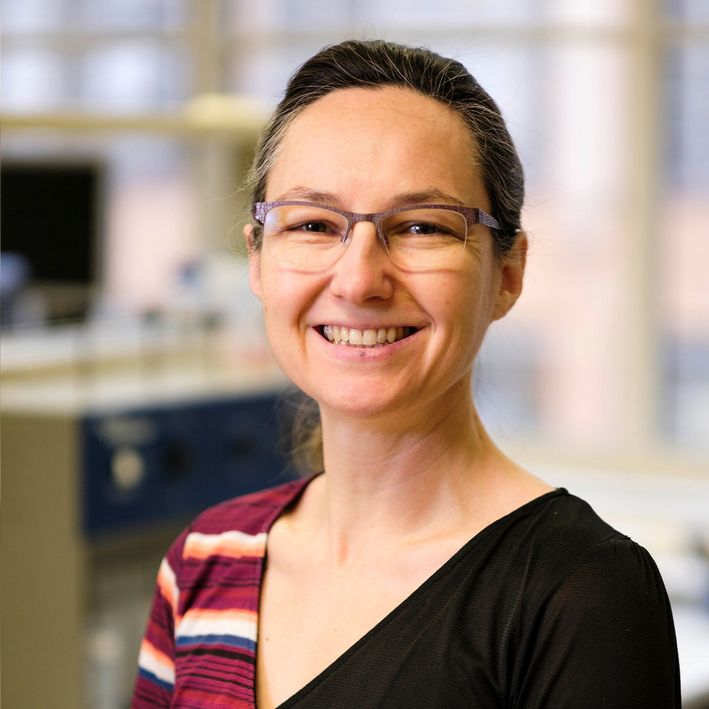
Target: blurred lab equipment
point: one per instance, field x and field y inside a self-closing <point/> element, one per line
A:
<point x="51" y="211"/>
<point x="107" y="454"/>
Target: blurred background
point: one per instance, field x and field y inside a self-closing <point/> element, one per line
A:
<point x="137" y="387"/>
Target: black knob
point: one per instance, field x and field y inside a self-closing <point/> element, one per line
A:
<point x="177" y="460"/>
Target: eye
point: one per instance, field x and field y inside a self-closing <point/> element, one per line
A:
<point x="428" y="225"/>
<point x="313" y="230"/>
<point x="304" y="224"/>
<point x="423" y="229"/>
<point x="318" y="227"/>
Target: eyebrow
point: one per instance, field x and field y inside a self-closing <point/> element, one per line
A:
<point x="426" y="196"/>
<point x="309" y="195"/>
<point x="430" y="195"/>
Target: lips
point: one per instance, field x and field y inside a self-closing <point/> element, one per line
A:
<point x="353" y="337"/>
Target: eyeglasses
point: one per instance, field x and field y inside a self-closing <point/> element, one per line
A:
<point x="311" y="237"/>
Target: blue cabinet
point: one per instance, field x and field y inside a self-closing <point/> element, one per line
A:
<point x="168" y="462"/>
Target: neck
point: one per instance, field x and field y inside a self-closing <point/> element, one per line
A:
<point x="400" y="483"/>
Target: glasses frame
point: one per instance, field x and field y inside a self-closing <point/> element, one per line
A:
<point x="472" y="215"/>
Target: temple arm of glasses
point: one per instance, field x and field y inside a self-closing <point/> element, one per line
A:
<point x="487" y="220"/>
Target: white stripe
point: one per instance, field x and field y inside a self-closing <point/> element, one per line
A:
<point x="213" y="540"/>
<point x="152" y="664"/>
<point x="167" y="575"/>
<point x="192" y="625"/>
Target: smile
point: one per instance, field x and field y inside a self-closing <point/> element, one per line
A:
<point x="352" y="337"/>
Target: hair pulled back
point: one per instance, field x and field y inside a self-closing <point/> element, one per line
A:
<point x="375" y="64"/>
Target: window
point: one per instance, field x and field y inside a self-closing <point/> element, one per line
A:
<point x="608" y="350"/>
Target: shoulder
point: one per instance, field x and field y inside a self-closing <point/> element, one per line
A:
<point x="252" y="513"/>
<point x="596" y="583"/>
<point x="560" y="511"/>
<point x="235" y="527"/>
<point x="562" y="528"/>
<point x="596" y="566"/>
<point x="557" y="541"/>
<point x="594" y="605"/>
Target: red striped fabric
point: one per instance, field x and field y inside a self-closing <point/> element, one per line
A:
<point x="199" y="648"/>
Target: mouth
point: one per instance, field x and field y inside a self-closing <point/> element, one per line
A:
<point x="352" y="337"/>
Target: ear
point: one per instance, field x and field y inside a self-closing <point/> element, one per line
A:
<point x="254" y="255"/>
<point x="511" y="276"/>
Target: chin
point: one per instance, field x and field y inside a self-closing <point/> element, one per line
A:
<point x="367" y="404"/>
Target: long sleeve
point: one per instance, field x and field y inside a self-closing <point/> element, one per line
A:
<point x="603" y="638"/>
<point x="156" y="663"/>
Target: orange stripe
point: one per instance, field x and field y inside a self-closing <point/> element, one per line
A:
<point x="160" y="657"/>
<point x="168" y="590"/>
<point x="215" y="614"/>
<point x="199" y="549"/>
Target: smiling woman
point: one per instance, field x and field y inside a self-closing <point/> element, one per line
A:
<point x="418" y="565"/>
<point x="397" y="263"/>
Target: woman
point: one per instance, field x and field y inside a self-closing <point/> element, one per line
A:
<point x="423" y="568"/>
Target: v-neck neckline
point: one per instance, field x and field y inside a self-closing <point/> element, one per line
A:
<point x="433" y="578"/>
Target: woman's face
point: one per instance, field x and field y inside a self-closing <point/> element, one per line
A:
<point x="368" y="150"/>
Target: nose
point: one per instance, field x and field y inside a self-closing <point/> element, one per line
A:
<point x="363" y="271"/>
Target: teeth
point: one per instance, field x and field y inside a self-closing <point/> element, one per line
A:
<point x="369" y="338"/>
<point x="364" y="338"/>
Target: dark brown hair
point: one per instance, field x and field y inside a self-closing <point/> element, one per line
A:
<point x="375" y="64"/>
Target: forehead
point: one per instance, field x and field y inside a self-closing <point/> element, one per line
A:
<point x="358" y="143"/>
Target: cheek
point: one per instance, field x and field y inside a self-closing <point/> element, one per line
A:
<point x="469" y="308"/>
<point x="285" y="295"/>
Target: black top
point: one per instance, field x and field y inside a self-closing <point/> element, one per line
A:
<point x="547" y="607"/>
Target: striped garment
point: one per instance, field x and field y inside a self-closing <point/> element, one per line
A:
<point x="199" y="648"/>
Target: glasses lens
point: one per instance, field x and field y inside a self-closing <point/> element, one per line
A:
<point x="425" y="238"/>
<point x="304" y="236"/>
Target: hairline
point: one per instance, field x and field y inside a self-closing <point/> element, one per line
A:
<point x="277" y="139"/>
